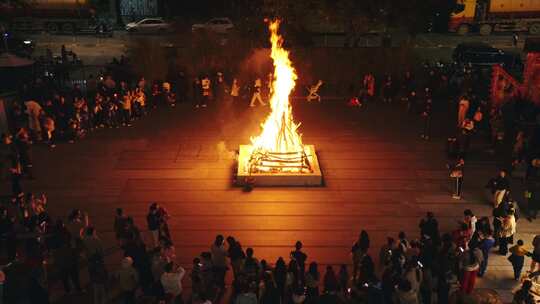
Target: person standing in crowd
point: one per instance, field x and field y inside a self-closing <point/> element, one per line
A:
<point x="486" y="243"/>
<point x="517" y="258"/>
<point x="171" y="280"/>
<point x="236" y="254"/>
<point x="24" y="147"/>
<point x="404" y="293"/>
<point x="499" y="186"/>
<point x="426" y="118"/>
<point x="386" y="252"/>
<point x="429" y="228"/>
<point x="34" y="111"/>
<point x="128" y="280"/>
<point x="508" y="229"/>
<point x="280" y="276"/>
<point x="196" y="91"/>
<point x="120" y="226"/>
<point x="388" y="90"/>
<point x="126" y="109"/>
<point x="358" y="251"/>
<point x="268" y="292"/>
<point x="14" y="166"/>
<point x="245" y="295"/>
<point x="456" y="173"/>
<point x="330" y="281"/>
<point x="312" y="282"/>
<point x="257" y="93"/>
<point x="78" y="221"/>
<point x="535" y="263"/>
<point x="92" y="244"/>
<point x="533" y="201"/>
<point x="463" y="109"/>
<point x="99" y="280"/>
<point x="251" y="268"/>
<point x="470" y="219"/>
<point x="412" y="101"/>
<point x="181" y="87"/>
<point x="524" y="295"/>
<point x="300" y="257"/>
<point x="219" y="261"/>
<point x="68" y="266"/>
<point x="153" y="222"/>
<point x="235" y="90"/>
<point x="157" y="215"/>
<point x="49" y="129"/>
<point x="368" y="83"/>
<point x="2" y="282"/>
<point x="206" y="87"/>
<point x="469" y="266"/>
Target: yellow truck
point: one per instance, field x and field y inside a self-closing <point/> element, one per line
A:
<point x="53" y="16"/>
<point x="487" y="16"/>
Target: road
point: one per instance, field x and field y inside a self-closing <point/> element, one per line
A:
<point x="96" y="51"/>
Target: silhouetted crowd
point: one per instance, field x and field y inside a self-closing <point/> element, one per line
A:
<point x="40" y="250"/>
<point x="43" y="252"/>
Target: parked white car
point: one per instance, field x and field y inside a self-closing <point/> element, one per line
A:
<point x="217" y="25"/>
<point x="149" y="25"/>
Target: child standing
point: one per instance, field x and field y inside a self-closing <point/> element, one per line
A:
<point x="517" y="258"/>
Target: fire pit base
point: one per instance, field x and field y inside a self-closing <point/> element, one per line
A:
<point x="278" y="179"/>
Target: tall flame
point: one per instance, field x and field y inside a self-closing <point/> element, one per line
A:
<point x="279" y="132"/>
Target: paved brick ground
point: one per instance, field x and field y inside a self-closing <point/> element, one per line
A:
<point x="378" y="176"/>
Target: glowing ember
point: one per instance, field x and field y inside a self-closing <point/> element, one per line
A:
<point x="279" y="146"/>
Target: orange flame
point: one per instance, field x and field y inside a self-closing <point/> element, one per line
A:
<point x="279" y="132"/>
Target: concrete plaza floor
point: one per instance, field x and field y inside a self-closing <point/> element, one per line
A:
<point x="378" y="176"/>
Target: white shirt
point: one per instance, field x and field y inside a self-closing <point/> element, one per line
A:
<point x="473" y="224"/>
<point x="172" y="281"/>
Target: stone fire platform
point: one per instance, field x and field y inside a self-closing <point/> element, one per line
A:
<point x="278" y="179"/>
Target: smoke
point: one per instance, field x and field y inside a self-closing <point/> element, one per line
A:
<point x="257" y="64"/>
<point x="223" y="152"/>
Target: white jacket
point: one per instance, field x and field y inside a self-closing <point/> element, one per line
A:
<point x="172" y="281"/>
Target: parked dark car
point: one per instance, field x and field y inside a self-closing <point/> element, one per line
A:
<point x="481" y="54"/>
<point x="18" y="45"/>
